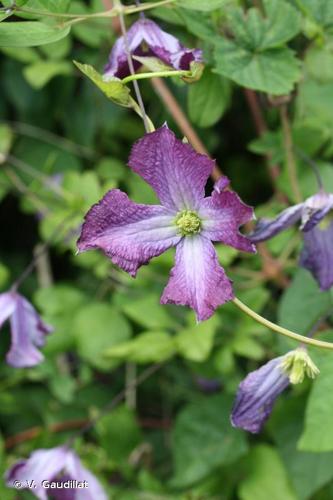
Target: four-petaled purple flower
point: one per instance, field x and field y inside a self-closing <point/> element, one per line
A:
<point x="317" y="254"/>
<point x="28" y="331"/>
<point x="258" y="391"/>
<point x="145" y="38"/>
<point x="131" y="234"/>
<point x="57" y="472"/>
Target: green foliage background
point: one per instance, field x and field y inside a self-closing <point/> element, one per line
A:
<point x="63" y="145"/>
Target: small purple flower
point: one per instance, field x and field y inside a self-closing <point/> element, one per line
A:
<point x="145" y="38"/>
<point x="131" y="234"/>
<point x="316" y="255"/>
<point x="258" y="391"/>
<point x="28" y="331"/>
<point x="57" y="472"/>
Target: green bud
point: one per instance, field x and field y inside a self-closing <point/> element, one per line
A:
<point x="297" y="364"/>
<point x="188" y="222"/>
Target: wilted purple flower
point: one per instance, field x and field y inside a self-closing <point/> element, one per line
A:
<point x="145" y="38"/>
<point x="57" y="472"/>
<point x="258" y="391"/>
<point x="316" y="256"/>
<point x="131" y="234"/>
<point x="28" y="331"/>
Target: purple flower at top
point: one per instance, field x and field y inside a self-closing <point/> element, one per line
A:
<point x="57" y="472"/>
<point x="28" y="331"/>
<point x="145" y="38"/>
<point x="130" y="234"/>
<point x="317" y="255"/>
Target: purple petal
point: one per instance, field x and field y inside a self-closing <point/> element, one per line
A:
<point x="27" y="333"/>
<point x="317" y="255"/>
<point x="267" y="228"/>
<point x="76" y="471"/>
<point x="197" y="280"/>
<point x="7" y="306"/>
<point x="221" y="184"/>
<point x="174" y="170"/>
<point x="314" y="210"/>
<point x="222" y="214"/>
<point x="128" y="233"/>
<point x="41" y="465"/>
<point x="256" y="395"/>
<point x="161" y="44"/>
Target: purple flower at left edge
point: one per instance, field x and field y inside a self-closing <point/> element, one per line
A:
<point x="317" y="254"/>
<point x="130" y="234"/>
<point x="28" y="331"/>
<point x="145" y="38"/>
<point x="257" y="394"/>
<point x="55" y="473"/>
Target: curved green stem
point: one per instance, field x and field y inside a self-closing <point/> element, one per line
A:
<point x="279" y="329"/>
<point x="141" y="76"/>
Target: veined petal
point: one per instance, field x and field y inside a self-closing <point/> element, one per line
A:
<point x="41" y="465"/>
<point x="27" y="333"/>
<point x="197" y="280"/>
<point x="222" y="214"/>
<point x="267" y="228"/>
<point x="256" y="395"/>
<point x="161" y="44"/>
<point x="7" y="306"/>
<point x="174" y="170"/>
<point x="77" y="471"/>
<point x="129" y="233"/>
<point x="317" y="255"/>
<point x="314" y="210"/>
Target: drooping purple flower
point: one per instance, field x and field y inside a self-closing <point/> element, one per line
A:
<point x="145" y="38"/>
<point x="130" y="234"/>
<point x="257" y="394"/>
<point x="258" y="391"/>
<point x="57" y="472"/>
<point x="315" y="256"/>
<point x="28" y="331"/>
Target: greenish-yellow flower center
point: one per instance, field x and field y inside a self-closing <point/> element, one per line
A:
<point x="188" y="222"/>
<point x="297" y="364"/>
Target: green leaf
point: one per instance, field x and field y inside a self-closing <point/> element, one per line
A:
<point x="196" y="343"/>
<point x="148" y="347"/>
<point x="4" y="275"/>
<point x="40" y="73"/>
<point x="319" y="10"/>
<point x="266" y="476"/>
<point x="255" y="32"/>
<point x="318" y="431"/>
<point x="208" y="99"/>
<point x="308" y="471"/>
<point x="30" y="34"/>
<point x="148" y="312"/>
<point x="6" y="139"/>
<point x="97" y="327"/>
<point x="200" y="5"/>
<point x="112" y="87"/>
<point x="56" y="6"/>
<point x="203" y="440"/>
<point x="319" y="62"/>
<point x="274" y="71"/>
<point x="303" y="303"/>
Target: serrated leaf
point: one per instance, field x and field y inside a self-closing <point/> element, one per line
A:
<point x="30" y="33"/>
<point x="113" y="88"/>
<point x="203" y="440"/>
<point x="274" y="71"/>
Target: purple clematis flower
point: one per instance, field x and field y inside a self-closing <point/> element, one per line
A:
<point x="131" y="234"/>
<point x="28" y="331"/>
<point x="258" y="391"/>
<point x="317" y="255"/>
<point x="145" y="38"/>
<point x="57" y="472"/>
